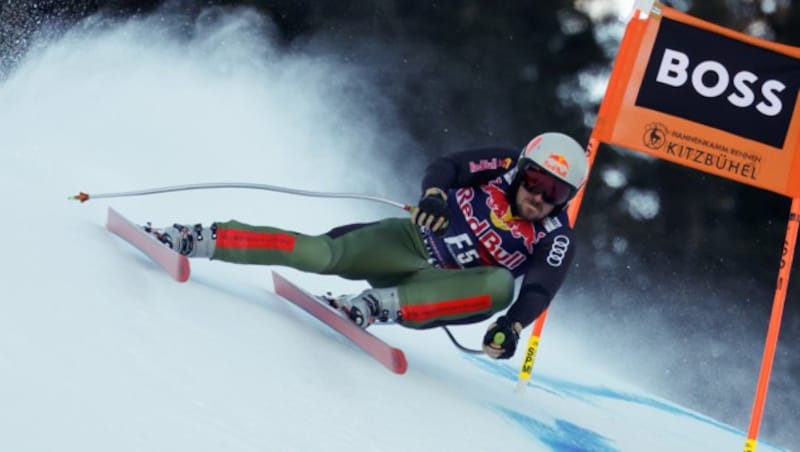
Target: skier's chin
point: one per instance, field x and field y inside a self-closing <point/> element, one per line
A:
<point x="532" y="212"/>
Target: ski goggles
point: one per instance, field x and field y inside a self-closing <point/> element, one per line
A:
<point x="538" y="181"/>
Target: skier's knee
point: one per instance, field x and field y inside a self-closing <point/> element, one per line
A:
<point x="500" y="287"/>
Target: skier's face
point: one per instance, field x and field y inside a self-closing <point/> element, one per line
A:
<point x="530" y="204"/>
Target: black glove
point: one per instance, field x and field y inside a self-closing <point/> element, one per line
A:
<point x="432" y="211"/>
<point x="500" y="341"/>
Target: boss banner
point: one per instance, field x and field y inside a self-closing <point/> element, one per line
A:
<point x="706" y="97"/>
<point x="719" y="101"/>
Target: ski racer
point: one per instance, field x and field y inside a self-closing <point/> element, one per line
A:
<point x="485" y="218"/>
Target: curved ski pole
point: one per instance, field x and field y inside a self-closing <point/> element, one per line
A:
<point x="83" y="197"/>
<point x="458" y="345"/>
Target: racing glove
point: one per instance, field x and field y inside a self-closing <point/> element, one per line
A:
<point x="432" y="211"/>
<point x="500" y="341"/>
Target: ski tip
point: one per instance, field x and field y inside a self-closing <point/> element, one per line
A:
<point x="399" y="363"/>
<point x="184" y="270"/>
<point x="392" y="358"/>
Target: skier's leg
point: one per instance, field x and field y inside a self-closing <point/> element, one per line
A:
<point x="388" y="254"/>
<point x="390" y="248"/>
<point x="433" y="297"/>
<point x="436" y="297"/>
<point x="391" y="257"/>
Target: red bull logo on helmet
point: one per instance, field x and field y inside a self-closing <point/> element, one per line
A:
<point x="557" y="164"/>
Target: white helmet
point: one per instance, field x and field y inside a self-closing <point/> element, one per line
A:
<point x="558" y="155"/>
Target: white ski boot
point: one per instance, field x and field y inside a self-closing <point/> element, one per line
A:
<point x="369" y="306"/>
<point x="191" y="241"/>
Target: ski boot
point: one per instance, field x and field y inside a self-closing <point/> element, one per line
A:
<point x="191" y="241"/>
<point x="369" y="306"/>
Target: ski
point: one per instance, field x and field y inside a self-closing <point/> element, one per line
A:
<point x="175" y="264"/>
<point x="393" y="358"/>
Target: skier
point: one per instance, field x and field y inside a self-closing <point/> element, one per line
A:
<point x="485" y="218"/>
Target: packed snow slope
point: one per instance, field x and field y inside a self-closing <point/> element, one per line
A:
<point x="101" y="351"/>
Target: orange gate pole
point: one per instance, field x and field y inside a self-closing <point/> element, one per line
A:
<point x="536" y="333"/>
<point x="774" y="326"/>
<point x="617" y="84"/>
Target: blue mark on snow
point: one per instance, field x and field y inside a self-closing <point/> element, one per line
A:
<point x="563" y="437"/>
<point x="570" y="437"/>
<point x="583" y="392"/>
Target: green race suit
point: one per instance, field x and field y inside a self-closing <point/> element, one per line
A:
<point x="387" y="253"/>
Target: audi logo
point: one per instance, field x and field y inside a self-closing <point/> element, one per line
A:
<point x="558" y="250"/>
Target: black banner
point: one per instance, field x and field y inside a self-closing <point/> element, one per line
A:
<point x="721" y="82"/>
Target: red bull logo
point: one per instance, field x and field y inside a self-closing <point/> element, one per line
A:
<point x="502" y="217"/>
<point x="492" y="164"/>
<point x="489" y="238"/>
<point x="498" y="204"/>
<point x="557" y="164"/>
<point x="524" y="230"/>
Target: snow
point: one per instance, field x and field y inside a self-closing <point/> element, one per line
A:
<point x="101" y="351"/>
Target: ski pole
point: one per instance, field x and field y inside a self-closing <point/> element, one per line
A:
<point x="458" y="345"/>
<point x="83" y="197"/>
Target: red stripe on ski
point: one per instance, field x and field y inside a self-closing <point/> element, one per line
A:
<point x="239" y="239"/>
<point x="424" y="312"/>
<point x="393" y="358"/>
<point x="175" y="264"/>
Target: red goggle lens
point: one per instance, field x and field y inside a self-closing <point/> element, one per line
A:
<point x="553" y="190"/>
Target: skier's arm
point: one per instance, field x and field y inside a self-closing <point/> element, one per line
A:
<point x="548" y="267"/>
<point x="459" y="169"/>
<point x="468" y="168"/>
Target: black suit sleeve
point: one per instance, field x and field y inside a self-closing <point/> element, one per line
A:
<point x="549" y="264"/>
